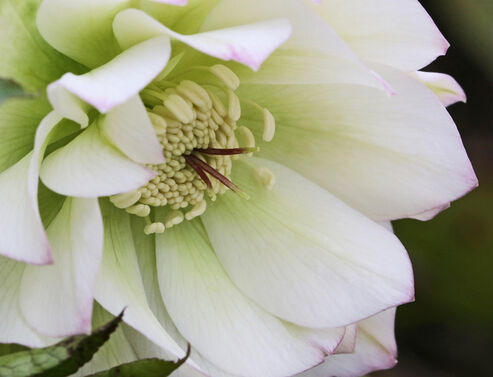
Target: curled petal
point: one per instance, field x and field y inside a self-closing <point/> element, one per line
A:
<point x="113" y="83"/>
<point x="248" y="44"/>
<point x="23" y="236"/>
<point x="90" y="167"/>
<point x="445" y="87"/>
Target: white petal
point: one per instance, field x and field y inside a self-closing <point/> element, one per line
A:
<point x="395" y="32"/>
<point x="430" y="214"/>
<point x="211" y="313"/>
<point x="128" y="127"/>
<point x="89" y="167"/>
<point x="314" y="52"/>
<point x="115" y="82"/>
<point x="120" y="284"/>
<point x="23" y="236"/>
<point x="81" y="29"/>
<point x="57" y="300"/>
<point x="248" y="44"/>
<point x="388" y="157"/>
<point x="304" y="255"/>
<point x="375" y="349"/>
<point x="445" y="87"/>
<point x="348" y="343"/>
<point x="13" y="327"/>
<point x="327" y="340"/>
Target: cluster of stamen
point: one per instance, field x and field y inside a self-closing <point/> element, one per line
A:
<point x="198" y="134"/>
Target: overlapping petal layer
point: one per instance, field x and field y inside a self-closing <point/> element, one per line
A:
<point x="190" y="276"/>
<point x="394" y="32"/>
<point x="65" y="289"/>
<point x="302" y="254"/>
<point x="389" y="157"/>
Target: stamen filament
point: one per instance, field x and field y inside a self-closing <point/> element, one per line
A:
<point x="192" y="163"/>
<point x="221" y="178"/>
<point x="227" y="151"/>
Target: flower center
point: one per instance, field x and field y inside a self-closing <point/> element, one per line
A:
<point x="200" y="139"/>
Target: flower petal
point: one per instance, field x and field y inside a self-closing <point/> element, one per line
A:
<point x="23" y="236"/>
<point x="190" y="276"/>
<point x="248" y="44"/>
<point x="348" y="343"/>
<point x="57" y="300"/>
<point x="117" y="81"/>
<point x="304" y="255"/>
<point x="445" y="87"/>
<point x="128" y="127"/>
<point x="375" y="350"/>
<point x="19" y="119"/>
<point x="13" y="327"/>
<point x="388" y="157"/>
<point x="327" y="340"/>
<point x="81" y="29"/>
<point x="120" y="284"/>
<point x="26" y="57"/>
<point x="89" y="167"/>
<point x="314" y="52"/>
<point x="394" y="32"/>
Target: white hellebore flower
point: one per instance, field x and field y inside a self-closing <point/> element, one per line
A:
<point x="159" y="109"/>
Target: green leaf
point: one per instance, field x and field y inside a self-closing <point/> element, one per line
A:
<point x="147" y="367"/>
<point x="6" y="349"/>
<point x="59" y="360"/>
<point x="9" y="88"/>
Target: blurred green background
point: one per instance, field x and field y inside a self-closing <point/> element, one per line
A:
<point x="448" y="331"/>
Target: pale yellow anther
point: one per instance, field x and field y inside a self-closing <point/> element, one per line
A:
<point x="179" y="108"/>
<point x="247" y="136"/>
<point x="125" y="200"/>
<point x="218" y="104"/>
<point x="197" y="210"/>
<point x="141" y="210"/>
<point x="234" y="107"/>
<point x="226" y="75"/>
<point x="158" y="123"/>
<point x="195" y="93"/>
<point x="266" y="177"/>
<point x="269" y="126"/>
<point x="154" y="228"/>
<point x="174" y="218"/>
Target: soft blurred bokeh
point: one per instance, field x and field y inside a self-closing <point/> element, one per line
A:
<point x="448" y="331"/>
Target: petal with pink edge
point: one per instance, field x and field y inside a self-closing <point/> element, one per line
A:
<point x="57" y="300"/>
<point x="394" y="32"/>
<point x="304" y="255"/>
<point x="375" y="350"/>
<point x="314" y="53"/>
<point x="388" y="157"/>
<point x="445" y="87"/>
<point x="23" y="236"/>
<point x="90" y="167"/>
<point x="248" y="44"/>
<point x="115" y="82"/>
